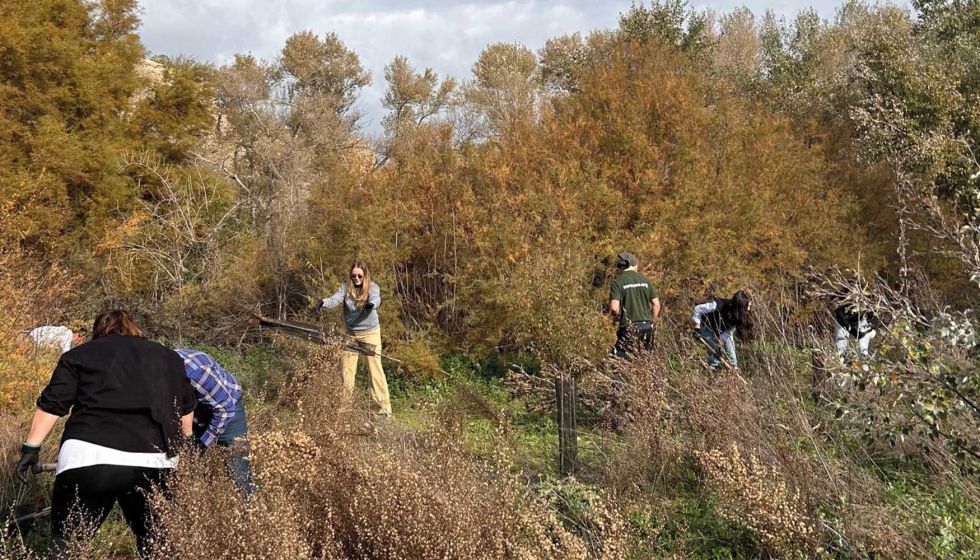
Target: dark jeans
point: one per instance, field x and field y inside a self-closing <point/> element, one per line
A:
<point x="234" y="438"/>
<point x="632" y="338"/>
<point x="715" y="347"/>
<point x="92" y="491"/>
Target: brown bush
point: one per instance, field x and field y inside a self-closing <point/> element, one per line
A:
<point x="31" y="295"/>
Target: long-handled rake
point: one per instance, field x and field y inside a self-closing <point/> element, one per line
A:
<point x="13" y="525"/>
<point x="320" y="335"/>
<point x="720" y="356"/>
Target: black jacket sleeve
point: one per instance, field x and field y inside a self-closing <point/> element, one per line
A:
<point x="840" y="314"/>
<point x="59" y="396"/>
<point x="186" y="398"/>
<point x="873" y="320"/>
<point x="848" y="319"/>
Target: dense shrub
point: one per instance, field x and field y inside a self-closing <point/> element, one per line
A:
<point x="324" y="493"/>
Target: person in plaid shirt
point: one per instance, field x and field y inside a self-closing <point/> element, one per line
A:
<point x="221" y="417"/>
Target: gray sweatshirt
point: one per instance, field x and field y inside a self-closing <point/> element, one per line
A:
<point x="357" y="320"/>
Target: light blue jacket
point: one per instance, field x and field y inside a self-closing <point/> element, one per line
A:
<point x="357" y="320"/>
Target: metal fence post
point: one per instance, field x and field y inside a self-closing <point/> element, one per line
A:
<point x="567" y="429"/>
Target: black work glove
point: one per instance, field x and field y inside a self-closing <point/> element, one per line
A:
<point x="319" y="306"/>
<point x="193" y="444"/>
<point x="29" y="456"/>
<point x="697" y="334"/>
<point x="369" y="306"/>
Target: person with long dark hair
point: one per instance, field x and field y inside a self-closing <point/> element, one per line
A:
<point x="716" y="322"/>
<point x="361" y="298"/>
<point x="131" y="408"/>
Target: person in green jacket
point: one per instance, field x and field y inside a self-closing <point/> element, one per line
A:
<point x="634" y="302"/>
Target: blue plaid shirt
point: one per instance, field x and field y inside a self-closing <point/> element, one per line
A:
<point x="216" y="389"/>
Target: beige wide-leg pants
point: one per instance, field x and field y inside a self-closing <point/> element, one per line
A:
<point x="379" y="383"/>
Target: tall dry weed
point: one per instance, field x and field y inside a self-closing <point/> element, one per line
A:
<point x="756" y="496"/>
<point x="672" y="414"/>
<point x="202" y="515"/>
<point x="31" y="295"/>
<point x="328" y="488"/>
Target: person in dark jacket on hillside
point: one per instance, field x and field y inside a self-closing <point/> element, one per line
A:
<point x="634" y="302"/>
<point x="716" y="322"/>
<point x="131" y="408"/>
<point x="856" y="323"/>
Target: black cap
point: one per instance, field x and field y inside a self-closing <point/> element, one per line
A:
<point x="625" y="260"/>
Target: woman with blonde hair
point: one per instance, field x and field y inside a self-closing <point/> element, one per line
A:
<point x="361" y="298"/>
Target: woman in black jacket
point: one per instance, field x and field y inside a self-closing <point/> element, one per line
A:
<point x="130" y="404"/>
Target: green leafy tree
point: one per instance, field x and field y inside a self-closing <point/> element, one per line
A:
<point x="919" y="117"/>
<point x="176" y="110"/>
<point x="563" y="59"/>
<point x="672" y="22"/>
<point x="506" y="86"/>
<point x="411" y="98"/>
<point x="289" y="129"/>
<point x="67" y="73"/>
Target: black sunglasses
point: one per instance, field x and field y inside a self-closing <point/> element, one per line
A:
<point x="356" y="276"/>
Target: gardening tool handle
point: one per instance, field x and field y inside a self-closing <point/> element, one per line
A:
<point x="14" y="522"/>
<point x="716" y="350"/>
<point x="44" y="467"/>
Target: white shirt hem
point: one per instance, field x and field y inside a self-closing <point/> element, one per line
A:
<point x="76" y="454"/>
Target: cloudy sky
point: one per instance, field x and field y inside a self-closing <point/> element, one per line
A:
<point x="443" y="35"/>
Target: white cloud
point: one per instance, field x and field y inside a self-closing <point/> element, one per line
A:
<point x="443" y="35"/>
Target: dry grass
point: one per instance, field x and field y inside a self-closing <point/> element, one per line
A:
<point x="327" y="490"/>
<point x="776" y="466"/>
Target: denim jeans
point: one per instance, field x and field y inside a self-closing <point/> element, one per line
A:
<point x="712" y="341"/>
<point x="841" y="338"/>
<point x="234" y="438"/>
